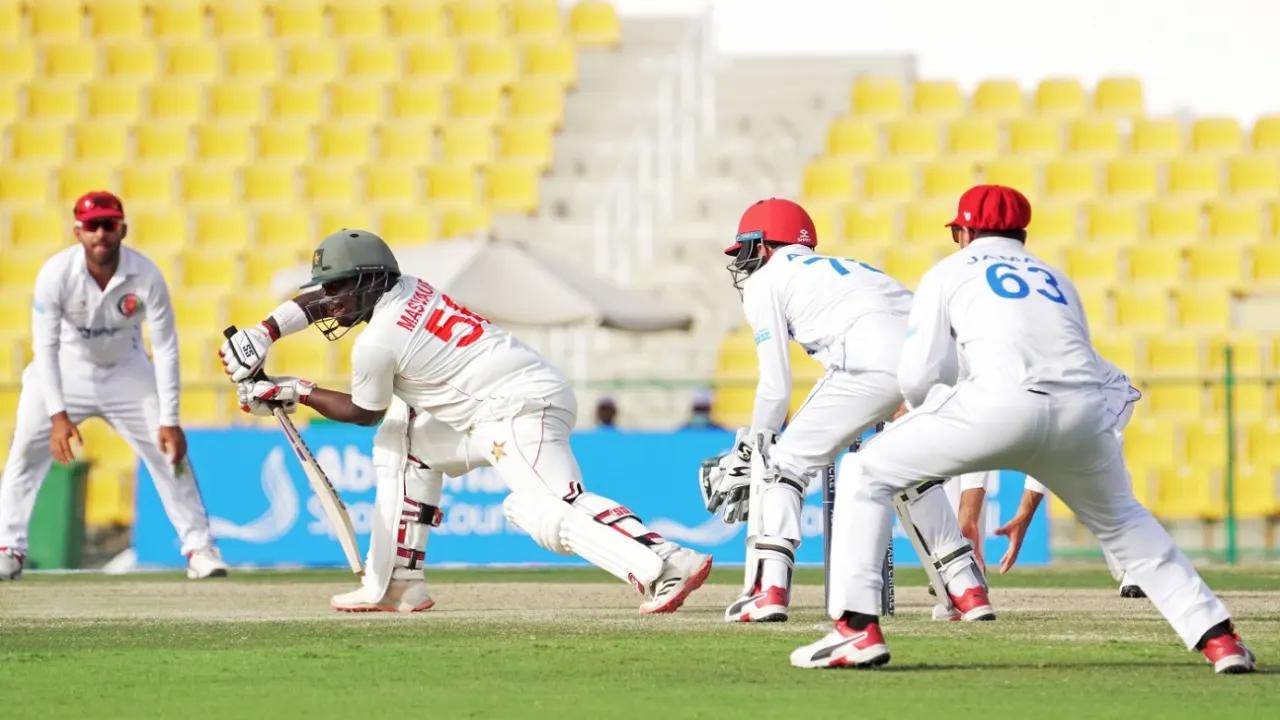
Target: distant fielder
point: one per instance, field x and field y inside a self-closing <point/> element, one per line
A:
<point x="90" y="301"/>
<point x="450" y="391"/>
<point x="1031" y="399"/>
<point x="852" y="318"/>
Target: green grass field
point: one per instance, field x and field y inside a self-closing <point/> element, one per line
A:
<point x="568" y="643"/>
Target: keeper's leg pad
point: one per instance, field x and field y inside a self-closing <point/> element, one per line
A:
<point x="762" y="446"/>
<point x="930" y="524"/>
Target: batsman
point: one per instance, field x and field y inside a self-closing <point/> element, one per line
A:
<point x="852" y="318"/>
<point x="449" y="392"/>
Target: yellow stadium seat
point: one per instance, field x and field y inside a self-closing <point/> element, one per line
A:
<point x="512" y="187"/>
<point x="283" y="141"/>
<point x="270" y="183"/>
<point x="23" y="185"/>
<point x="1173" y="354"/>
<point x="148" y="183"/>
<point x="405" y="141"/>
<point x="20" y="269"/>
<point x="394" y="183"/>
<point x="1263" y="441"/>
<point x="422" y="101"/>
<point x="1257" y="491"/>
<point x="1118" y="97"/>
<point x="132" y="60"/>
<point x="250" y="307"/>
<point x="404" y="226"/>
<point x="1185" y="493"/>
<point x="192" y="60"/>
<point x="976" y="138"/>
<point x="826" y="179"/>
<point x="1264" y="264"/>
<point x="475" y="101"/>
<point x="1078" y="179"/>
<point x="1254" y="176"/>
<point x="40" y="142"/>
<point x="283" y="227"/>
<point x="452" y="184"/>
<point x="1142" y="309"/>
<point x="534" y="19"/>
<point x="270" y="255"/>
<point x="538" y="100"/>
<point x="222" y="228"/>
<point x="76" y="180"/>
<point x="1092" y="263"/>
<point x="948" y="178"/>
<point x="342" y="141"/>
<point x="940" y="98"/>
<point x="999" y="98"/>
<point x="17" y="61"/>
<point x="1119" y="349"/>
<point x="1249" y="400"/>
<point x="1036" y="137"/>
<point x="203" y="308"/>
<point x="10" y="26"/>
<point x="1054" y="224"/>
<point x="1206" y="442"/>
<point x="1149" y="444"/>
<point x="926" y="221"/>
<point x="362" y="102"/>
<point x="298" y="18"/>
<point x="235" y="101"/>
<point x="334" y="183"/>
<point x="375" y="60"/>
<point x="1214" y="264"/>
<point x="1207" y="310"/>
<point x="312" y="61"/>
<point x="114" y="100"/>
<point x="853" y="138"/>
<point x="177" y="19"/>
<point x="1060" y="96"/>
<point x="198" y="363"/>
<point x="1246" y="352"/>
<point x="208" y="184"/>
<point x="594" y="23"/>
<point x="53" y="101"/>
<point x="1266" y="134"/>
<point x="175" y="100"/>
<point x="213" y="268"/>
<point x="296" y="100"/>
<point x="237" y="19"/>
<point x="1173" y="221"/>
<point x="8" y="102"/>
<point x="553" y="59"/>
<point x="1157" y="264"/>
<point x="252" y="60"/>
<point x="913" y="138"/>
<point x="877" y="96"/>
<point x="100" y="141"/>
<point x="889" y="180"/>
<point x="38" y="227"/>
<point x="1095" y="137"/>
<point x="1194" y="177"/>
<point x="1174" y="399"/>
<point x="1111" y="222"/>
<point x="1234" y="221"/>
<point x="825" y="220"/>
<point x="464" y="220"/>
<point x="908" y="263"/>
<point x="1014" y="173"/>
<point x="869" y="224"/>
<point x="1273" y="218"/>
<point x="209" y="406"/>
<point x="478" y="20"/>
<point x="1157" y="137"/>
<point x="354" y="19"/>
<point x="527" y="142"/>
<point x="161" y="141"/>
<point x="163" y="231"/>
<point x="416" y="18"/>
<point x="437" y="60"/>
<point x="1132" y="177"/>
<point x="1216" y="136"/>
<point x="222" y="142"/>
<point x="493" y="62"/>
<point x="467" y="143"/>
<point x="56" y="19"/>
<point x="70" y="61"/>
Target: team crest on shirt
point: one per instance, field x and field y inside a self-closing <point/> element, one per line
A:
<point x="129" y="305"/>
<point x="499" y="451"/>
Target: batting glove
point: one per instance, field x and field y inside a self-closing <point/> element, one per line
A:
<point x="244" y="352"/>
<point x="261" y="397"/>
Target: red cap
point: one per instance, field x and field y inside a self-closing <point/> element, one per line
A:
<point x="992" y="207"/>
<point x="775" y="220"/>
<point x="98" y="204"/>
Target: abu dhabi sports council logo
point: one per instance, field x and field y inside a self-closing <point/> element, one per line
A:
<point x="129" y="305"/>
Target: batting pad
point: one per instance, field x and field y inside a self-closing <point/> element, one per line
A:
<point x="609" y="550"/>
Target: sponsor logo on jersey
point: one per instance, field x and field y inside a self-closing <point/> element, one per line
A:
<point x="128" y="305"/>
<point x="416" y="306"/>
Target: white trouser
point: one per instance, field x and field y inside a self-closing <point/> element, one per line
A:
<point x="124" y="395"/>
<point x="1065" y="438"/>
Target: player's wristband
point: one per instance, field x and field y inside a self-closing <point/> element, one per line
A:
<point x="289" y="319"/>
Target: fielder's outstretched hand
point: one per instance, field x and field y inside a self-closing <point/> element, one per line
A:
<point x="260" y="397"/>
<point x="244" y="352"/>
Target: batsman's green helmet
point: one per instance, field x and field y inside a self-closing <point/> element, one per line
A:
<point x="348" y="253"/>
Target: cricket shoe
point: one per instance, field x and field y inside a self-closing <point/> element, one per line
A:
<point x="1229" y="655"/>
<point x="11" y="563"/>
<point x="767" y="606"/>
<point x="844" y="647"/>
<point x="969" y="606"/>
<point x="1129" y="589"/>
<point x="682" y="572"/>
<point x="205" y="563"/>
<point x="406" y="596"/>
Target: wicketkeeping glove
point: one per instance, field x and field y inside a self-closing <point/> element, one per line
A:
<point x="726" y="480"/>
<point x="260" y="397"/>
<point x="244" y="352"/>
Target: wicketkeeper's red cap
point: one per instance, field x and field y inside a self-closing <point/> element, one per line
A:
<point x="992" y="207"/>
<point x="98" y="204"/>
<point x="774" y="220"/>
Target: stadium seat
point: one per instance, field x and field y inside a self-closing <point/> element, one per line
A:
<point x="1118" y="97"/>
<point x="1156" y="264"/>
<point x="286" y="140"/>
<point x="38" y="227"/>
<point x="436" y="61"/>
<point x="74" y="61"/>
<point x="1215" y="265"/>
<point x="296" y="100"/>
<point x="401" y="226"/>
<point x="468" y="100"/>
<point x="331" y="185"/>
<point x="126" y="60"/>
<point x="114" y="100"/>
<point x="357" y="19"/>
<point x="1092" y="263"/>
<point x="162" y="230"/>
<point x="999" y="99"/>
<point x="208" y="184"/>
<point x="208" y="406"/>
<point x="1175" y="399"/>
<point x="937" y="98"/>
<point x="1142" y="309"/>
<point x="1256" y="176"/>
<point x="295" y="19"/>
<point x="237" y="19"/>
<point x="252" y="60"/>
<point x="1185" y="493"/>
<point x="225" y="229"/>
<point x="1263" y="442"/>
<point x="56" y="19"/>
<point x="375" y="60"/>
<point x="1132" y="177"/>
<point x="1150" y="441"/>
<point x="1216" y="136"/>
<point x="1246" y="352"/>
<point x="50" y="101"/>
<point x="877" y="96"/>
<point x="907" y="264"/>
<point x="162" y="141"/>
<point x="177" y="20"/>
<point x="342" y="142"/>
<point x="75" y="180"/>
<point x="222" y="142"/>
<point x="594" y="23"/>
<point x="535" y="19"/>
<point x="478" y="20"/>
<point x="975" y="138"/>
<point x="889" y="180"/>
<point x="270" y="183"/>
<point x="1257" y="491"/>
<point x="271" y="255"/>
<point x="913" y="138"/>
<point x="391" y="183"/>
<point x="17" y="61"/>
<point x="528" y="142"/>
<point x="1071" y="179"/>
<point x="926" y="221"/>
<point x="311" y="61"/>
<point x="282" y="227"/>
<point x="20" y="269"/>
<point x="452" y="184"/>
<point x="416" y="19"/>
<point x="1015" y="173"/>
<point x="1249" y="400"/>
<point x="1063" y="97"/>
<point x="1266" y="134"/>
<point x="421" y="101"/>
<point x="555" y="60"/>
<point x="492" y="62"/>
<point x="1093" y="137"/>
<point x="1173" y="354"/>
<point x="1206" y="444"/>
<point x="197" y="364"/>
<point x="512" y="187"/>
<point x="853" y="138"/>
<point x="948" y="179"/>
<point x="8" y="102"/>
<point x="149" y="184"/>
<point x="1264" y="264"/>
<point x="356" y="102"/>
<point x="42" y="143"/>
<point x="26" y="185"/>
<point x="538" y="100"/>
<point x="100" y="140"/>
<point x="1173" y="221"/>
<point x="192" y="60"/>
<point x="826" y="222"/>
<point x="460" y="220"/>
<point x="1156" y="137"/>
<point x="1054" y="224"/>
<point x="826" y="179"/>
<point x="1209" y="311"/>
<point x="867" y="224"/>
<point x="1111" y="222"/>
<point x="405" y="141"/>
<point x="1119" y="349"/>
<point x="215" y="270"/>
<point x="175" y="100"/>
<point x="235" y="101"/>
<point x="1035" y="137"/>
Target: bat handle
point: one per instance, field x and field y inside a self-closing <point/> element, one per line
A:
<point x="230" y="331"/>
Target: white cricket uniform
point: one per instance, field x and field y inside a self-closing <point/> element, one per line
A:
<point x="90" y="362"/>
<point x="461" y="393"/>
<point x="1032" y="400"/>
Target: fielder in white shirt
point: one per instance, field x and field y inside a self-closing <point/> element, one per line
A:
<point x="1032" y="400"/>
<point x="450" y="391"/>
<point x="87" y="313"/>
<point x="852" y="318"/>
